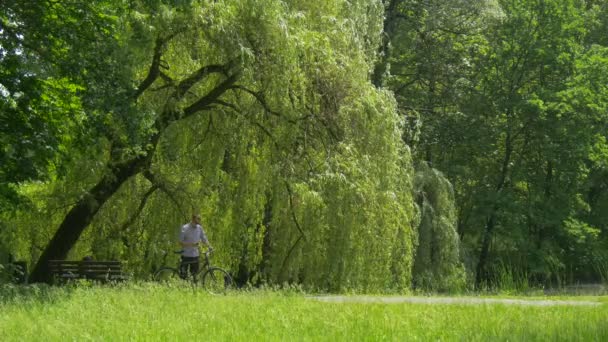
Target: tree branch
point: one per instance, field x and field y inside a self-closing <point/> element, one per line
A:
<point x="162" y="186"/>
<point x="196" y="76"/>
<point x="300" y="238"/>
<point x="161" y="87"/>
<point x="293" y="214"/>
<point x="255" y="123"/>
<point x="258" y="96"/>
<point x="288" y="256"/>
<point x="166" y="78"/>
<point x="154" y="71"/>
<point x="227" y="104"/>
<point x="135" y="215"/>
<point x="213" y="95"/>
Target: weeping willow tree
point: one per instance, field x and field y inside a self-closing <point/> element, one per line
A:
<point x="437" y="264"/>
<point x="261" y="116"/>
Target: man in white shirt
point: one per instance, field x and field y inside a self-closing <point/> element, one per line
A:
<point x="191" y="235"/>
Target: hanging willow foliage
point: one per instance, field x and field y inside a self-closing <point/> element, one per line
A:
<point x="298" y="168"/>
<point x="437" y="263"/>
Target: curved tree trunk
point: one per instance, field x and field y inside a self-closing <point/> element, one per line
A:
<point x="81" y="215"/>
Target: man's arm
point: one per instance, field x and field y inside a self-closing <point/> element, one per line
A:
<point x="204" y="239"/>
<point x="206" y="243"/>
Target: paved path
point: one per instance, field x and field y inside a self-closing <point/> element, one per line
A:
<point x="452" y="300"/>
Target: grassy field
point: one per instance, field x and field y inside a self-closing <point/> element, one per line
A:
<point x="147" y="312"/>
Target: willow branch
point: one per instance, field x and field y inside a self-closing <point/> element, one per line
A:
<point x="293" y="214"/>
<point x="140" y="208"/>
<point x="166" y="78"/>
<point x="255" y="123"/>
<point x="288" y="256"/>
<point x="162" y="186"/>
<point x="142" y="205"/>
<point x="212" y="96"/>
<point x="262" y="101"/>
<point x="259" y="97"/>
<point x="154" y="71"/>
<point x="196" y="77"/>
<point x="227" y="104"/>
<point x="300" y="238"/>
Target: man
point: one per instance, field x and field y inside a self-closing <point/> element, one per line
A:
<point x="191" y="235"/>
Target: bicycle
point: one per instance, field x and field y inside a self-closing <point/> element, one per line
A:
<point x="209" y="277"/>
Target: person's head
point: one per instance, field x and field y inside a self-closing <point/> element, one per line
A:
<point x="196" y="219"/>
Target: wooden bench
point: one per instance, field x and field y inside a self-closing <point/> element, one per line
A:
<point x="105" y="271"/>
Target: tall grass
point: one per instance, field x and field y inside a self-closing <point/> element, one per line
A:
<point x="509" y="280"/>
<point x="600" y="264"/>
<point x="148" y="312"/>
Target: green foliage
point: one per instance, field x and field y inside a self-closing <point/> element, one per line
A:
<point x="514" y="120"/>
<point x="261" y="115"/>
<point x="42" y="93"/>
<point x="301" y="176"/>
<point x="438" y="263"/>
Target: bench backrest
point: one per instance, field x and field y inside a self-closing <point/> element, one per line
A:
<point x="85" y="267"/>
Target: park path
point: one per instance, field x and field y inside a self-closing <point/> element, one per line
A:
<point x="451" y="300"/>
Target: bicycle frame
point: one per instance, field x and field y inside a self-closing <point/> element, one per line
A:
<point x="212" y="277"/>
<point x="204" y="266"/>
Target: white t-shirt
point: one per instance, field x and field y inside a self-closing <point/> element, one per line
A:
<point x="192" y="233"/>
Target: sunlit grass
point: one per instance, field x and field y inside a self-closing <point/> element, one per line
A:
<point x="147" y="312"/>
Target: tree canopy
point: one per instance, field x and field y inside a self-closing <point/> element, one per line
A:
<point x="369" y="145"/>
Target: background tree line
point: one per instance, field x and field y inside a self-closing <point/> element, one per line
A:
<point x="508" y="99"/>
<point x="366" y="145"/>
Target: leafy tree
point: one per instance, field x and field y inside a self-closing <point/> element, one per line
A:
<point x="40" y="103"/>
<point x="437" y="264"/>
<point x="488" y="103"/>
<point x="302" y="175"/>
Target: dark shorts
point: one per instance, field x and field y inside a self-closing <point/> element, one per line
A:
<point x="189" y="266"/>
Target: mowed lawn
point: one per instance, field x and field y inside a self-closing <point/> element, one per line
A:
<point x="147" y="312"/>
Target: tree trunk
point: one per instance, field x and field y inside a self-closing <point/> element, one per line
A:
<point x="81" y="215"/>
<point x="481" y="273"/>
<point x="491" y="221"/>
<point x="543" y="229"/>
<point x="265" y="265"/>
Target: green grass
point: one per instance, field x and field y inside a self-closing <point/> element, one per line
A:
<point x="147" y="312"/>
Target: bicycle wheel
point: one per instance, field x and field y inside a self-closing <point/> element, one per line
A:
<point x="167" y="275"/>
<point x="216" y="280"/>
